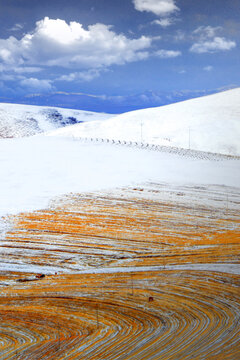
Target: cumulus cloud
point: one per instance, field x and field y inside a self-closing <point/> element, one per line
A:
<point x="158" y="7"/>
<point x="213" y="45"/>
<point x="208" y="40"/>
<point x="164" y="54"/>
<point x="57" y="43"/>
<point x="9" y="51"/>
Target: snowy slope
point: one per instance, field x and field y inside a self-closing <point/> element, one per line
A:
<point x="210" y="123"/>
<point x="25" y="120"/>
<point x="35" y="169"/>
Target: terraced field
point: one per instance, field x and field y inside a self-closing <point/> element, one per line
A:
<point x="150" y="272"/>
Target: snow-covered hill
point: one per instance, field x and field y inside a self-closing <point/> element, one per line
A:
<point x="210" y="123"/>
<point x="26" y="120"/>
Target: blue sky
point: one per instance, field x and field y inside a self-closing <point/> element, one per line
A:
<point x="115" y="49"/>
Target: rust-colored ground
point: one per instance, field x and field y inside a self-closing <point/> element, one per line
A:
<point x="142" y="306"/>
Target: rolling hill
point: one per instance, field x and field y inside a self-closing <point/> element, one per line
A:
<point x="26" y="120"/>
<point x="210" y="123"/>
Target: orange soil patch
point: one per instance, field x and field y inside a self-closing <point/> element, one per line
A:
<point x="109" y="230"/>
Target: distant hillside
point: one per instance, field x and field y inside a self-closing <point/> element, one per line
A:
<point x="210" y="123"/>
<point x="26" y="120"/>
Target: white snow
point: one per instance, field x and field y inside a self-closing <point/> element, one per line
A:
<point x="25" y="120"/>
<point x="31" y="268"/>
<point x="210" y="123"/>
<point x="50" y="270"/>
<point x="215" y="267"/>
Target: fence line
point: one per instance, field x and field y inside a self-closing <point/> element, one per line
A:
<point x="161" y="148"/>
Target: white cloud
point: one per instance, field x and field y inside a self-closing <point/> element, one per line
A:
<point x="81" y="76"/>
<point x="10" y="52"/>
<point x="213" y="45"/>
<point x="164" y="54"/>
<point x="19" y="69"/>
<point x="16" y="27"/>
<point x="158" y="7"/>
<point x="206" y="32"/>
<point x="36" y="84"/>
<point x="27" y="69"/>
<point x="208" y="68"/>
<point x="56" y="43"/>
<point x="10" y="77"/>
<point x="208" y="41"/>
<point x="180" y="36"/>
<point x="165" y="22"/>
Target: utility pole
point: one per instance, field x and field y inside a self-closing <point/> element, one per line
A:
<point x="141" y="131"/>
<point x="189" y="137"/>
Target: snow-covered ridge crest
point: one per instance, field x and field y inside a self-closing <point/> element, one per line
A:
<point x="210" y="123"/>
<point x="26" y="120"/>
